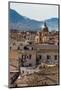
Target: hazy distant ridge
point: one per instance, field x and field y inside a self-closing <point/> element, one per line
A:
<point x="20" y="22"/>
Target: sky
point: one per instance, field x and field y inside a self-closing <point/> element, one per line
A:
<point x="36" y="11"/>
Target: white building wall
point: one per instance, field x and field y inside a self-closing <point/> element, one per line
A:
<point x="28" y="70"/>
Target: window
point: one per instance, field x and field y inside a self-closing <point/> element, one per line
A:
<point x="29" y="56"/>
<point x="48" y="57"/>
<point x="30" y="65"/>
<point x="55" y="57"/>
<point x="10" y="48"/>
<point x="26" y="48"/>
<point x="32" y="48"/>
<point x="18" y="48"/>
<point x="40" y="57"/>
<point x="22" y="71"/>
<point x="30" y="42"/>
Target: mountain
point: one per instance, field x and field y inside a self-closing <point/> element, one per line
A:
<point x="53" y="23"/>
<point x="20" y="22"/>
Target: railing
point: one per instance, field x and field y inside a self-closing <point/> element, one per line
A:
<point x="14" y="78"/>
